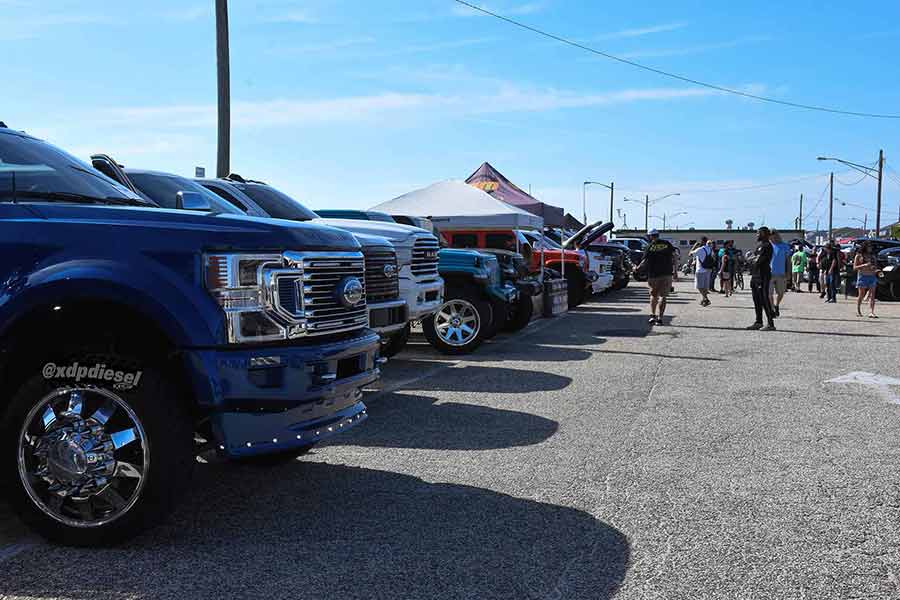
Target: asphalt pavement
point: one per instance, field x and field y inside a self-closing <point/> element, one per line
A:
<point x="589" y="457"/>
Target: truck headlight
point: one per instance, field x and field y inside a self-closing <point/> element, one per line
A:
<point x="894" y="259"/>
<point x="235" y="282"/>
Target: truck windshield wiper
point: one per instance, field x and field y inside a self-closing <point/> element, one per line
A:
<point x="78" y="198"/>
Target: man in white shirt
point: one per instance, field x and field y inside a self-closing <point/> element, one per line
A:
<point x="706" y="262"/>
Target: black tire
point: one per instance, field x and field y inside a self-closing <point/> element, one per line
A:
<point x="499" y="316"/>
<point x="521" y="314"/>
<point x="159" y="415"/>
<point x="275" y="459"/>
<point x="575" y="282"/>
<point x="470" y="297"/>
<point x="396" y="342"/>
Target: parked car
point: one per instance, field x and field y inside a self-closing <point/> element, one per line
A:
<point x="598" y="262"/>
<point x="575" y="270"/>
<point x="133" y="336"/>
<point x="622" y="267"/>
<point x="421" y="287"/>
<point x="476" y="305"/>
<point x="878" y="245"/>
<point x="356" y="215"/>
<point x="889" y="276"/>
<point x="388" y="314"/>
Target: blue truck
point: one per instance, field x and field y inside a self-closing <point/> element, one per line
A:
<point x="133" y="337"/>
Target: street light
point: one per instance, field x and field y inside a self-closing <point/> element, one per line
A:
<point x="647" y="202"/>
<point x="866" y="171"/>
<point x="611" y="187"/>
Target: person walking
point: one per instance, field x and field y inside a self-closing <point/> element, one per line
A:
<point x="812" y="267"/>
<point x="799" y="260"/>
<point x="832" y="272"/>
<point x="823" y="259"/>
<point x="780" y="269"/>
<point x="761" y="280"/>
<point x="866" y="278"/>
<point x="706" y="262"/>
<point x="728" y="268"/>
<point x="661" y="265"/>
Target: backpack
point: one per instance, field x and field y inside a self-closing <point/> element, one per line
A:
<point x="709" y="261"/>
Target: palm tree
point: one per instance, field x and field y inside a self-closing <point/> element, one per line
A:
<point x="223" y="160"/>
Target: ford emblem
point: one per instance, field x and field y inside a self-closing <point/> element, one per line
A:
<point x="390" y="270"/>
<point x="350" y="292"/>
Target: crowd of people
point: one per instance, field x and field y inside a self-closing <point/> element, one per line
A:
<point x="773" y="266"/>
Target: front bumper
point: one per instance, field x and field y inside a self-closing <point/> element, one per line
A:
<point x="423" y="298"/>
<point x="271" y="399"/>
<point x="388" y="317"/>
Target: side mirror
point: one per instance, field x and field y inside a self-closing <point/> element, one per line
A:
<point x="192" y="201"/>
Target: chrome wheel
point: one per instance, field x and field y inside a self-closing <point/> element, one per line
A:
<point x="83" y="456"/>
<point x="457" y="322"/>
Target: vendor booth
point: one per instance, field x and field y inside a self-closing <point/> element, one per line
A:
<point x="492" y="181"/>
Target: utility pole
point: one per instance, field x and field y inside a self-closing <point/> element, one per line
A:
<point x="831" y="205"/>
<point x="584" y="202"/>
<point x="612" y="189"/>
<point x="223" y="160"/>
<point x="878" y="205"/>
<point x="800" y="218"/>
<point x="647" y="214"/>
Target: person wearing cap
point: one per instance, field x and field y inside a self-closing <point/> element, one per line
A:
<point x="660" y="264"/>
<point x="760" y="280"/>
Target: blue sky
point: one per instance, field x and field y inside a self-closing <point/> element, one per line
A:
<point x="350" y="103"/>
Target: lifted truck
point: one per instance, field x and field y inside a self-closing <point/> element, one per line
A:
<point x="420" y="287"/>
<point x="571" y="264"/>
<point x="133" y="337"/>
<point x="480" y="295"/>
<point x="386" y="310"/>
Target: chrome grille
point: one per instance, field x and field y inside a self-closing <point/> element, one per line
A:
<point x="381" y="285"/>
<point x="425" y="256"/>
<point x="311" y="295"/>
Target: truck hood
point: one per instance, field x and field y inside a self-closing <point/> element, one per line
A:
<point x="588" y="233"/>
<point x="371" y="241"/>
<point x="164" y="228"/>
<point x="395" y="232"/>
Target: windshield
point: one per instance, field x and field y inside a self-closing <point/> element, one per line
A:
<point x="31" y="169"/>
<point x="162" y="189"/>
<point x="277" y="204"/>
<point x="548" y="242"/>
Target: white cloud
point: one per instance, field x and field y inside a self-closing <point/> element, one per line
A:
<point x="294" y="112"/>
<point x="527" y="8"/>
<point x="698" y="49"/>
<point x="322" y="48"/>
<point x="294" y="16"/>
<point x="191" y="13"/>
<point x="640" y="31"/>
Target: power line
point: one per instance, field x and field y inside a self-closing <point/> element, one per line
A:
<point x="818" y="202"/>
<point x="683" y="78"/>
<point x="854" y="183"/>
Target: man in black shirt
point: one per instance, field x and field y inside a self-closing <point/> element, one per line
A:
<point x="659" y="261"/>
<point x="760" y="280"/>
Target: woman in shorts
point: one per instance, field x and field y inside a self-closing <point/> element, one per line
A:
<point x="866" y="278"/>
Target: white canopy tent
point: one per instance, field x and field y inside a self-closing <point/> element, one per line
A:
<point x="457" y="205"/>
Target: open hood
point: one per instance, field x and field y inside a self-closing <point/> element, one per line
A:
<point x="588" y="234"/>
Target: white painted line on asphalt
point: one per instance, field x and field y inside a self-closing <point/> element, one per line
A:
<point x="881" y="383"/>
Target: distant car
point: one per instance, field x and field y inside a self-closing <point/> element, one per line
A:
<point x="889" y="275"/>
<point x="357" y="215"/>
<point x="878" y="245"/>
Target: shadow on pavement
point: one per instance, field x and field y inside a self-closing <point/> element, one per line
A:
<point x="312" y="530"/>
<point x="497" y="380"/>
<point x="402" y="420"/>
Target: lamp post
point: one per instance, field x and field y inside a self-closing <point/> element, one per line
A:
<point x="647" y="202"/>
<point x="864" y="220"/>
<point x="866" y="171"/>
<point x="223" y="78"/>
<point x="611" y="187"/>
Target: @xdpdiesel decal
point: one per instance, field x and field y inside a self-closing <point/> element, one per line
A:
<point x="120" y="380"/>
